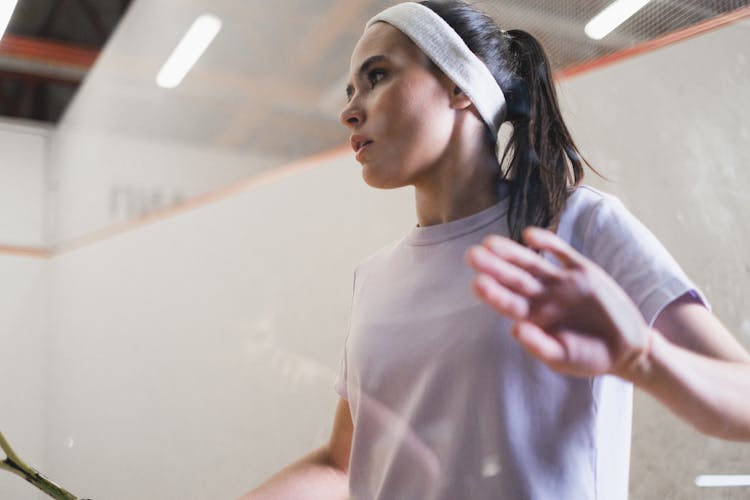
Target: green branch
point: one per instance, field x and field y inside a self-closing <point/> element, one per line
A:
<point x="17" y="466"/>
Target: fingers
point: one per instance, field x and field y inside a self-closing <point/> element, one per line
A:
<point x="521" y="256"/>
<point x="542" y="239"/>
<point x="500" y="298"/>
<point x="506" y="272"/>
<point x="509" y="274"/>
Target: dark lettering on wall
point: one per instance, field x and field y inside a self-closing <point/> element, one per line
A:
<point x="127" y="202"/>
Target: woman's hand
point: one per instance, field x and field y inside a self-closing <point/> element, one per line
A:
<point x="573" y="317"/>
<point x="577" y="320"/>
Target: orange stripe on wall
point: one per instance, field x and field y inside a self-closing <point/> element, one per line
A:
<point x="39" y="253"/>
<point x="651" y="45"/>
<point x="202" y="200"/>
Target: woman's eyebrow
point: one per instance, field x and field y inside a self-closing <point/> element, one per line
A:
<point x="363" y="70"/>
<point x="369" y="62"/>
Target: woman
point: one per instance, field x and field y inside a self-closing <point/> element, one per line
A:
<point x="438" y="401"/>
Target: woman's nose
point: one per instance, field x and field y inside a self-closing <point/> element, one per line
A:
<point x="352" y="116"/>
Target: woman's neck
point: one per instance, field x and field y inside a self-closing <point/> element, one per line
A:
<point x="463" y="184"/>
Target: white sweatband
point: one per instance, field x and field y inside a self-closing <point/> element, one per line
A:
<point x="449" y="52"/>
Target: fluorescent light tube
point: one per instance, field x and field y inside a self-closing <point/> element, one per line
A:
<point x="193" y="44"/>
<point x="611" y="17"/>
<point x="6" y="11"/>
<point x="718" y="480"/>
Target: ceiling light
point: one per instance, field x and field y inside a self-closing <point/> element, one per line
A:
<point x="611" y="17"/>
<point x="718" y="480"/>
<point x="187" y="52"/>
<point x="6" y="11"/>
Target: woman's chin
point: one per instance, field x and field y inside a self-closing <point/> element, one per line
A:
<point x="379" y="182"/>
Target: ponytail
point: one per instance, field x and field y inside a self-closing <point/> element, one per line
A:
<point x="541" y="161"/>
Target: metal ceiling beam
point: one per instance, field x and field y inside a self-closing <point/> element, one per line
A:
<point x="95" y="18"/>
<point x="44" y="58"/>
<point x="49" y="20"/>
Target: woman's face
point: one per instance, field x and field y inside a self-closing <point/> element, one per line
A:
<point x="399" y="111"/>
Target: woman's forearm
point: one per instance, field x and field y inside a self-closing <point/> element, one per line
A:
<point x="713" y="395"/>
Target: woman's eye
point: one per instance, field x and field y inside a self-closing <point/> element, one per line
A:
<point x="375" y="76"/>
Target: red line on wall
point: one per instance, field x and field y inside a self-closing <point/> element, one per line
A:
<point x="34" y="252"/>
<point x="198" y="201"/>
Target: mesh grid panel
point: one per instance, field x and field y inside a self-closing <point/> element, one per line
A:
<point x="559" y="24"/>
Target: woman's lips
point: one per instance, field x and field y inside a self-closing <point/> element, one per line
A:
<point x="360" y="144"/>
<point x="359" y="141"/>
<point x="363" y="148"/>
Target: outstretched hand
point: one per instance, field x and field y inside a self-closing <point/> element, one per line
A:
<point x="573" y="317"/>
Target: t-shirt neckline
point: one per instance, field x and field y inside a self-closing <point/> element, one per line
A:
<point x="438" y="233"/>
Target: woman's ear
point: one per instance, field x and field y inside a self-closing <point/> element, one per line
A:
<point x="459" y="99"/>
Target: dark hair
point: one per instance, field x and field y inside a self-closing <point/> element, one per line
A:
<point x="540" y="161"/>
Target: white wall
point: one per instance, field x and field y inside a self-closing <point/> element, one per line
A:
<point x="23" y="365"/>
<point x="22" y="184"/>
<point x="672" y="132"/>
<point x="23" y="296"/>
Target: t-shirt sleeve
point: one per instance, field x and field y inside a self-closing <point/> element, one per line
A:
<point x="611" y="236"/>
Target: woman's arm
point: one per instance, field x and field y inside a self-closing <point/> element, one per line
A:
<point x="576" y="319"/>
<point x="320" y="475"/>
<point x="711" y="368"/>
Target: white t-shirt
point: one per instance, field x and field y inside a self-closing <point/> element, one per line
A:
<point x="446" y="405"/>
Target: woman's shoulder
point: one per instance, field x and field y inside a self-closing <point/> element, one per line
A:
<point x="585" y="196"/>
<point x="586" y="203"/>
<point x="380" y="256"/>
<point x="592" y="215"/>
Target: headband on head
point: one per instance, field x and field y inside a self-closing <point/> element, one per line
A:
<point x="435" y="37"/>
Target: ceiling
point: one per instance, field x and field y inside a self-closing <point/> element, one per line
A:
<point x="48" y="48"/>
<point x="273" y="79"/>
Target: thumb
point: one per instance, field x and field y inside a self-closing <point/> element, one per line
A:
<point x="538" y="343"/>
